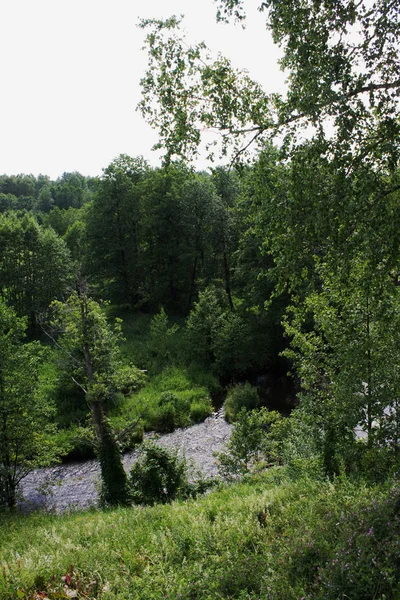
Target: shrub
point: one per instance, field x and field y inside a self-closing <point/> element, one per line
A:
<point x="232" y="345"/>
<point x="128" y="434"/>
<point x="165" y="403"/>
<point x="76" y="443"/>
<point x="251" y="444"/>
<point x="240" y="396"/>
<point x="172" y="412"/>
<point x="203" y="378"/>
<point x="158" y="476"/>
<point x="173" y="378"/>
<point x="164" y="420"/>
<point x="299" y="447"/>
<point x="128" y="379"/>
<point x="202" y="323"/>
<point x="200" y="409"/>
<point x="162" y="341"/>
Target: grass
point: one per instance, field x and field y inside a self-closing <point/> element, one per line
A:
<point x="268" y="538"/>
<point x="170" y="400"/>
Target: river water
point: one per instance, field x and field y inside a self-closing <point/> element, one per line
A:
<point x="76" y="485"/>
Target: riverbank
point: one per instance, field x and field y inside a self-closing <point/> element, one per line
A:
<point x="76" y="485"/>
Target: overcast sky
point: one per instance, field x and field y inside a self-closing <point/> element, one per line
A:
<point x="70" y="74"/>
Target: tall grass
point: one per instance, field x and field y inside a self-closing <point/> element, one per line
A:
<point x="170" y="400"/>
<point x="267" y="539"/>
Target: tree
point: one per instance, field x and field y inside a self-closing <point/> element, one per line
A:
<point x="348" y="362"/>
<point x="91" y="357"/>
<point x="8" y="202"/>
<point x="71" y="190"/>
<point x="342" y="60"/>
<point x="328" y="231"/>
<point x="25" y="416"/>
<point x="35" y="265"/>
<point x="207" y="237"/>
<point x="114" y="230"/>
<point x="219" y="338"/>
<point x="18" y="185"/>
<point x="45" y="200"/>
<point x="167" y="261"/>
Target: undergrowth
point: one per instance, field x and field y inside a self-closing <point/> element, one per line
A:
<point x="174" y="392"/>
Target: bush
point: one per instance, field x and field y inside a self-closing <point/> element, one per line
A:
<point x="158" y="476"/>
<point x="170" y="400"/>
<point x="162" y="343"/>
<point x="240" y="396"/>
<point x="128" y="434"/>
<point x="200" y="409"/>
<point x="203" y="378"/>
<point x="76" y="443"/>
<point x="232" y="345"/>
<point x="252" y="443"/>
<point x="202" y="323"/>
<point x="165" y="419"/>
<point x="128" y="379"/>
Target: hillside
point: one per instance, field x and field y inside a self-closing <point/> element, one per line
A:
<point x="268" y="538"/>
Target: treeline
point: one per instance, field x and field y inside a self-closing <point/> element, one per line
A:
<point x="40" y="194"/>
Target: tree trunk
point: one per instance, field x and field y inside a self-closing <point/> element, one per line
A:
<point x="228" y="282"/>
<point x="115" y="483"/>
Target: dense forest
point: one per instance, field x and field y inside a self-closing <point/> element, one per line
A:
<point x="142" y="299"/>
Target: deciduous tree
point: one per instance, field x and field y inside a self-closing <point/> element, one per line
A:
<point x="25" y="416"/>
<point x="89" y="346"/>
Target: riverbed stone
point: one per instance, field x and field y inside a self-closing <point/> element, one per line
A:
<point x="75" y="486"/>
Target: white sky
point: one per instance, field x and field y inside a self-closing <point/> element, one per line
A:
<point x="70" y="72"/>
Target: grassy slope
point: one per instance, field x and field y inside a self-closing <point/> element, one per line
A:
<point x="264" y="539"/>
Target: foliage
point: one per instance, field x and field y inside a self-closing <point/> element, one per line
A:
<point x="114" y="230"/>
<point x="323" y="216"/>
<point x="159" y="475"/>
<point x="171" y="399"/>
<point x="200" y="409"/>
<point x="161" y="343"/>
<point x="76" y="443"/>
<point x="80" y="323"/>
<point x="154" y="235"/>
<point x="202" y="323"/>
<point x="25" y="415"/>
<point x="242" y="395"/>
<point x="267" y="538"/>
<point x="252" y="444"/>
<point x="342" y="65"/>
<point x="346" y="379"/>
<point x="297" y="446"/>
<point x="128" y="379"/>
<point x="185" y="91"/>
<point x="114" y="488"/>
<point x="35" y="265"/>
<point x="219" y="338"/>
<point x="91" y="351"/>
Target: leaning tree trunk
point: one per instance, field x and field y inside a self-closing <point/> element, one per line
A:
<point x="114" y="479"/>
